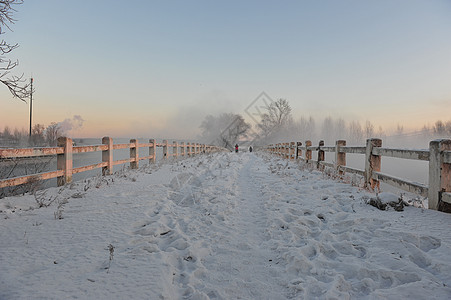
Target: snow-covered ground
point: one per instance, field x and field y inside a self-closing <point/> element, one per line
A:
<point x="221" y="226"/>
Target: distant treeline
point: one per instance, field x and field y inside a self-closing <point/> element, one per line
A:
<point x="277" y="124"/>
<point x="40" y="136"/>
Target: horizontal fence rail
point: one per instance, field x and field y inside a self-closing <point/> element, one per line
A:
<point x="65" y="150"/>
<point x="438" y="155"/>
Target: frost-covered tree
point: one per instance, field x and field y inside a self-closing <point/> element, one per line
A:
<point x="439" y="127"/>
<point x="355" y="132"/>
<point x="37" y="135"/>
<point x="275" y="120"/>
<point x="224" y="130"/>
<point x="369" y="130"/>
<point x="52" y="133"/>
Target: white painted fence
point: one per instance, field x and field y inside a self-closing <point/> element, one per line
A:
<point x="65" y="151"/>
<point x="438" y="190"/>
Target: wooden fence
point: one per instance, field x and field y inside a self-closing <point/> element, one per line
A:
<point x="65" y="150"/>
<point x="438" y="189"/>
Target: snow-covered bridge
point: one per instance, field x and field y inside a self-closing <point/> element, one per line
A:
<point x="219" y="226"/>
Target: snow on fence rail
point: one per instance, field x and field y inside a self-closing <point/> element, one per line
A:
<point x="438" y="190"/>
<point x="65" y="150"/>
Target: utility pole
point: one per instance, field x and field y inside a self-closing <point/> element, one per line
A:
<point x="31" y="103"/>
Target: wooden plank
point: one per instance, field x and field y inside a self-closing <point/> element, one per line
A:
<point x="146" y="157"/>
<point x="403" y="184"/>
<point x="31" y="178"/>
<point x="122" y="161"/>
<point x="30" y="152"/>
<point x="327" y="164"/>
<point x="351" y="170"/>
<point x="328" y="149"/>
<point x="94" y="148"/>
<point x="141" y="145"/>
<point x="402" y="153"/>
<point x="353" y="149"/>
<point x="89" y="167"/>
<point x="121" y="146"/>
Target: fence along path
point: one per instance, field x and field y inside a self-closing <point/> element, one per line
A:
<point x="438" y="189"/>
<point x="65" y="150"/>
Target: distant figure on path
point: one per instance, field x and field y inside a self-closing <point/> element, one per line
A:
<point x="236" y="148"/>
<point x="250" y="148"/>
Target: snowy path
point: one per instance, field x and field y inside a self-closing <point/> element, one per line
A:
<point x="224" y="226"/>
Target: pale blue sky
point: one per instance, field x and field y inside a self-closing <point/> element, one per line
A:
<point x="156" y="68"/>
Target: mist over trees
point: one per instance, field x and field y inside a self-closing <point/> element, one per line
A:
<point x="224" y="130"/>
<point x="276" y="121"/>
<point x="40" y="136"/>
<point x="278" y="125"/>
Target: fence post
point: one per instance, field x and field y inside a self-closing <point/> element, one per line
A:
<point x="182" y="148"/>
<point x="439" y="174"/>
<point x="134" y="154"/>
<point x="165" y="149"/>
<point x="372" y="163"/>
<point x="292" y="150"/>
<point x="308" y="153"/>
<point x="188" y="148"/>
<point x="340" y="157"/>
<point x="64" y="161"/>
<point x="152" y="151"/>
<point x="107" y="156"/>
<point x="175" y="149"/>
<point x="298" y="150"/>
<point x="320" y="155"/>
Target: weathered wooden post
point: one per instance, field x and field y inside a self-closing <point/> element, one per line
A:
<point x="308" y="153"/>
<point x="165" y="149"/>
<point x="340" y="157"/>
<point x="321" y="156"/>
<point x="134" y="154"/>
<point x="188" y="148"/>
<point x="439" y="175"/>
<point x="107" y="156"/>
<point x="298" y="150"/>
<point x="292" y="150"/>
<point x="152" y="151"/>
<point x="64" y="161"/>
<point x="175" y="149"/>
<point x="182" y="148"/>
<point x="372" y="163"/>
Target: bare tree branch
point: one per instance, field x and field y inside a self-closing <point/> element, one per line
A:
<point x="17" y="85"/>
